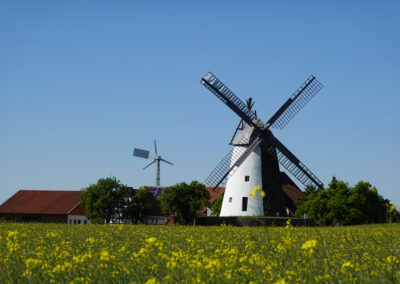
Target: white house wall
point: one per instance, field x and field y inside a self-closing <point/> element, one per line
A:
<point x="78" y="219"/>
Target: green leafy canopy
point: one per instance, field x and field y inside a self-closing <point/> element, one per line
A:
<point x="185" y="200"/>
<point x="348" y="205"/>
<point x="103" y="199"/>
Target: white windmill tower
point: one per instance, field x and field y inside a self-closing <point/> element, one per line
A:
<point x="253" y="161"/>
<point x="157" y="159"/>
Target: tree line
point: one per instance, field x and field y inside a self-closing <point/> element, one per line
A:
<point x="108" y="200"/>
<point x="341" y="203"/>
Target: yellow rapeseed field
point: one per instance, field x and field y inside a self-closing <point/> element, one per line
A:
<point x="51" y="253"/>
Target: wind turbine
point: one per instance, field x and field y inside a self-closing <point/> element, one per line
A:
<point x="157" y="159"/>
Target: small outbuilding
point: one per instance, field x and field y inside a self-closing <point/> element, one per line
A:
<point x="59" y="206"/>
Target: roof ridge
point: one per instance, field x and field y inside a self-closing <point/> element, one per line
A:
<point x="50" y="190"/>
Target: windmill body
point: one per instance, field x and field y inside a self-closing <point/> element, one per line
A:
<point x="238" y="197"/>
<point x="239" y="187"/>
<point x="253" y="161"/>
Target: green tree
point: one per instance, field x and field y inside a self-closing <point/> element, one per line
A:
<point x="216" y="206"/>
<point x="103" y="200"/>
<point x="349" y="205"/>
<point x="185" y="200"/>
<point x="142" y="204"/>
<point x="365" y="205"/>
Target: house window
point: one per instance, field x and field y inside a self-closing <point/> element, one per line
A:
<point x="230" y="199"/>
<point x="84" y="222"/>
<point x="244" y="203"/>
<point x="246" y="178"/>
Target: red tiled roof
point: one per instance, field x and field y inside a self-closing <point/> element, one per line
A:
<point x="214" y="194"/>
<point x="42" y="202"/>
<point x="290" y="188"/>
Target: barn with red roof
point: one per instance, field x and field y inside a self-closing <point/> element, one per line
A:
<point x="61" y="206"/>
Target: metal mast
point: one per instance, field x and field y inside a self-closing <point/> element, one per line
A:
<point x="158" y="173"/>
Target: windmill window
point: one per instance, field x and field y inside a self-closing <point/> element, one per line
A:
<point x="230" y="199"/>
<point x="244" y="203"/>
<point x="246" y="178"/>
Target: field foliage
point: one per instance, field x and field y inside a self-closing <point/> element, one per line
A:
<point x="43" y="253"/>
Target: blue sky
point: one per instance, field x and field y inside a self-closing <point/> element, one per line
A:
<point x="83" y="83"/>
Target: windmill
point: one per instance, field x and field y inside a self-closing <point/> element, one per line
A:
<point x="253" y="161"/>
<point x="157" y="159"/>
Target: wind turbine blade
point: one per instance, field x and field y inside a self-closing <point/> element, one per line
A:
<point x="155" y="147"/>
<point x="149" y="164"/>
<point x="141" y="153"/>
<point x="166" y="161"/>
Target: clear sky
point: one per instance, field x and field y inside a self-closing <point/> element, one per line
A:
<point x="84" y="82"/>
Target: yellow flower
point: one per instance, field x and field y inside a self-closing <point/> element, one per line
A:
<point x="151" y="240"/>
<point x="310" y="244"/>
<point x="262" y="194"/>
<point x="392" y="207"/>
<point x="12" y="234"/>
<point x="152" y="280"/>
<point x="90" y="240"/>
<point x="51" y="235"/>
<point x="32" y="263"/>
<point x="347" y="264"/>
<point x="392" y="259"/>
<point x="122" y="249"/>
<point x="104" y="256"/>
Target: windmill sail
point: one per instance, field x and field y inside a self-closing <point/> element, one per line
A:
<point x="230" y="163"/>
<point x="295" y="103"/>
<point x="293" y="164"/>
<point x="229" y="98"/>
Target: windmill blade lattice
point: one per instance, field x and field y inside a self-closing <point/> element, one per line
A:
<point x="229" y="98"/>
<point x="293" y="164"/>
<point x="216" y="177"/>
<point x="295" y="103"/>
<point x="230" y="163"/>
